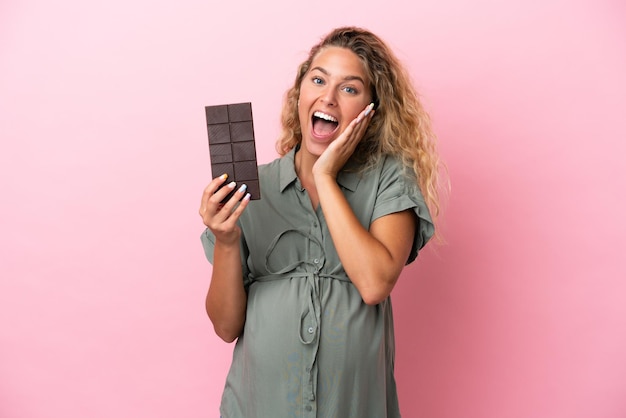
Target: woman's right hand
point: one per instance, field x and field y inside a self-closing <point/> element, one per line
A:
<point x="226" y="299"/>
<point x="221" y="218"/>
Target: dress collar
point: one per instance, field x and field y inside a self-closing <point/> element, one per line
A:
<point x="347" y="178"/>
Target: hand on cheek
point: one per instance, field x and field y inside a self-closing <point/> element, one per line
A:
<point x="340" y="150"/>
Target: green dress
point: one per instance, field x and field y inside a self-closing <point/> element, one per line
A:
<point x="311" y="347"/>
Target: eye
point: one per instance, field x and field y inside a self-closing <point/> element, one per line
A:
<point x="350" y="90"/>
<point x="317" y="80"/>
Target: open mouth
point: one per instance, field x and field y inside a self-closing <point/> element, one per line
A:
<point x="323" y="124"/>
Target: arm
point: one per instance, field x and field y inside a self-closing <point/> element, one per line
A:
<point x="372" y="259"/>
<point x="226" y="299"/>
<point x="375" y="264"/>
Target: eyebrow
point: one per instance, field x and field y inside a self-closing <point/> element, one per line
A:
<point x="347" y="78"/>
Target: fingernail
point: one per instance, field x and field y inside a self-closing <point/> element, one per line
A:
<point x="231" y="185"/>
<point x="224" y="176"/>
<point x="243" y="188"/>
<point x="369" y="109"/>
<point x="247" y="197"/>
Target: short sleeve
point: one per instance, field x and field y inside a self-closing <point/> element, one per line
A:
<point x="208" y="243"/>
<point x="396" y="192"/>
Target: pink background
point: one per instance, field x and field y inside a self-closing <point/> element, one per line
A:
<point x="104" y="156"/>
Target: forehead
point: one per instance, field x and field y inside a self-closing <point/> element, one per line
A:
<point x="340" y="62"/>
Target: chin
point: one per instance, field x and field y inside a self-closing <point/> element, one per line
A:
<point x="314" y="148"/>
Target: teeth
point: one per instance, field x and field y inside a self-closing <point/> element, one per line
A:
<point x="324" y="116"/>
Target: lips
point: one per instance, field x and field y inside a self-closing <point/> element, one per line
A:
<point x="324" y="125"/>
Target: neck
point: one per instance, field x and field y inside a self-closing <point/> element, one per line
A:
<point x="304" y="168"/>
<point x="304" y="171"/>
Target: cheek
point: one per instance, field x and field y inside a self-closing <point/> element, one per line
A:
<point x="355" y="109"/>
<point x="302" y="117"/>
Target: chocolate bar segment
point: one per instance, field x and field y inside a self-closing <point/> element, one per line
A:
<point x="240" y="112"/>
<point x="216" y="114"/>
<point x="231" y="145"/>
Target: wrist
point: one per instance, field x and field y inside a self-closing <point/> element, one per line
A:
<point x="230" y="244"/>
<point x="324" y="181"/>
<point x="323" y="176"/>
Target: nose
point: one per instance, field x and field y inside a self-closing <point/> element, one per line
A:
<point x="328" y="97"/>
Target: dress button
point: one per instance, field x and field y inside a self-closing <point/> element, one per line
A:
<point x="311" y="330"/>
<point x="309" y="408"/>
<point x="316" y="261"/>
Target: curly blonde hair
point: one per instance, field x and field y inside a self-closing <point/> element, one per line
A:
<point x="400" y="126"/>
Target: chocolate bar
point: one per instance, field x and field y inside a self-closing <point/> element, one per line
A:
<point x="231" y="145"/>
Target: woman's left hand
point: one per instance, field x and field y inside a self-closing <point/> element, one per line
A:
<point x="340" y="150"/>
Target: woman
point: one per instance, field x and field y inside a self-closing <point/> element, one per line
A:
<point x="302" y="278"/>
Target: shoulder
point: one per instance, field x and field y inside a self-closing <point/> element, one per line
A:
<point x="392" y="165"/>
<point x="270" y="167"/>
<point x="279" y="163"/>
<point x="389" y="171"/>
<point x="267" y="169"/>
<point x="274" y="177"/>
<point x="271" y="172"/>
<point x="386" y="163"/>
